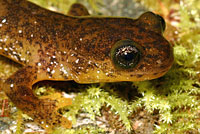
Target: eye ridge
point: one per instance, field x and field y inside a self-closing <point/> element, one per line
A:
<point x="125" y="54"/>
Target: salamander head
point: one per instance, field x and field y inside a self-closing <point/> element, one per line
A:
<point x="121" y="49"/>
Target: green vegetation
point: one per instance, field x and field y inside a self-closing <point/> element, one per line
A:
<point x="64" y="5"/>
<point x="58" y="5"/>
<point x="83" y="130"/>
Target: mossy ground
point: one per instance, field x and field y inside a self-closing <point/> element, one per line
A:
<point x="170" y="104"/>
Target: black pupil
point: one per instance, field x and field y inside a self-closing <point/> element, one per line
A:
<point x="128" y="56"/>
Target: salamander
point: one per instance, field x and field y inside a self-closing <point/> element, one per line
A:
<point x="76" y="47"/>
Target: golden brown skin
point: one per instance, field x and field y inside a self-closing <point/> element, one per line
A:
<point x="52" y="46"/>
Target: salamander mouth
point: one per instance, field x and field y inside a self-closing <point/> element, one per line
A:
<point x="155" y="75"/>
<point x="161" y="71"/>
<point x="150" y="75"/>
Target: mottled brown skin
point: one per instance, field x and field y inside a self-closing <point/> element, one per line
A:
<point x="78" y="9"/>
<point x="52" y="46"/>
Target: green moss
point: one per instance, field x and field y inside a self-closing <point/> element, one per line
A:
<point x="93" y="99"/>
<point x="57" y="5"/>
<point x="82" y="130"/>
<point x="64" y="5"/>
<point x="94" y="4"/>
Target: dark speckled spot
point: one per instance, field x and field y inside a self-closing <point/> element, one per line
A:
<point x="141" y="67"/>
<point x="139" y="75"/>
<point x="149" y="56"/>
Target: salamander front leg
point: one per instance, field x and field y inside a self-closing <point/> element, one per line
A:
<point x="18" y="88"/>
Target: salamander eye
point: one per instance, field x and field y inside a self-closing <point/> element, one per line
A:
<point x="125" y="54"/>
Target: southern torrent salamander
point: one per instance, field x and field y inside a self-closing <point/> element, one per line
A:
<point x="78" y="47"/>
